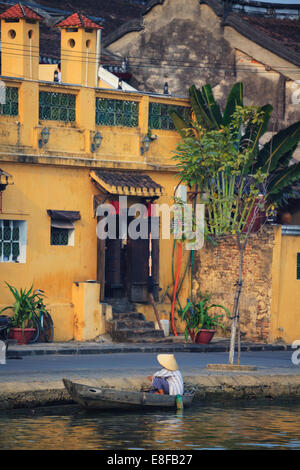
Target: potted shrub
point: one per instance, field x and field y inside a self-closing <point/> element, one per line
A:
<point x="22" y="320"/>
<point x="200" y="323"/>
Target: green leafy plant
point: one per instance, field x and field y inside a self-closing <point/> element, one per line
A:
<point x="275" y="157"/>
<point x="24" y="307"/>
<point x="197" y="316"/>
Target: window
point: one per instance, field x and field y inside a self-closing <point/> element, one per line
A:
<point x="298" y="266"/>
<point x="62" y="227"/>
<point x="13" y="241"/>
<point x="62" y="236"/>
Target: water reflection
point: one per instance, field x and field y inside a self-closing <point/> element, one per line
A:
<point x="251" y="426"/>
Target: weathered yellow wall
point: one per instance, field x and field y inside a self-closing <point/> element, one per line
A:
<point x="37" y="188"/>
<point x="56" y="176"/>
<point x="46" y="72"/>
<point x="89" y="321"/>
<point x="285" y="314"/>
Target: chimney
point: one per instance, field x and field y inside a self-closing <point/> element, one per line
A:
<point x="20" y="42"/>
<point x="79" y="52"/>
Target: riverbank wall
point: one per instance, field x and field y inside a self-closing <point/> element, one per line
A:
<point x="207" y="388"/>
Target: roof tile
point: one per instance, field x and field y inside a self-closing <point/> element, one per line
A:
<point x="18" y="11"/>
<point x="78" y="20"/>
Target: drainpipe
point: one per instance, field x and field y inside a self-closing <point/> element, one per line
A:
<point x="30" y="48"/>
<point x="87" y="67"/>
<point x="98" y="47"/>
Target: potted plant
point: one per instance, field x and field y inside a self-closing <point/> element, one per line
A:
<point x="200" y="324"/>
<point x="24" y="308"/>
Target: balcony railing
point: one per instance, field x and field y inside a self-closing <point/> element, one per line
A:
<point x="57" y="106"/>
<point x="10" y="107"/>
<point x="111" y="112"/>
<point x="159" y="117"/>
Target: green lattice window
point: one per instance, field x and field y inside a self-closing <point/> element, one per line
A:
<point x="117" y="112"/>
<point x="59" y="236"/>
<point x="57" y="106"/>
<point x="9" y="240"/>
<point x="11" y="105"/>
<point x="159" y="115"/>
<point x="298" y="265"/>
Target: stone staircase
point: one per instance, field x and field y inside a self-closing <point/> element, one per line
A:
<point x="126" y="325"/>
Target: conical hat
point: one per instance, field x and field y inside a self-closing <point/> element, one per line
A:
<point x="168" y="361"/>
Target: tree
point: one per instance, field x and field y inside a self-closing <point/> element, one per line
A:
<point x="275" y="156"/>
<point x="220" y="154"/>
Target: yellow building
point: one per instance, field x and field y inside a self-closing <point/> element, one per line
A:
<point x="65" y="148"/>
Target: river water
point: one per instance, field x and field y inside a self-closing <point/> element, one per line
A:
<point x="259" y="425"/>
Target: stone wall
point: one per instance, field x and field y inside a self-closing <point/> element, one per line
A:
<point x="185" y="43"/>
<point x="216" y="271"/>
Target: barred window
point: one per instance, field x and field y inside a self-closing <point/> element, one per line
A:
<point x="159" y="115"/>
<point x="12" y="241"/>
<point x="62" y="226"/>
<point x="117" y="112"/>
<point x="59" y="236"/>
<point x="10" y="101"/>
<point x="57" y="106"/>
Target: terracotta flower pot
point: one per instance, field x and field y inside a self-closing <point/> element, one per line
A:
<point x="20" y="336"/>
<point x="203" y="337"/>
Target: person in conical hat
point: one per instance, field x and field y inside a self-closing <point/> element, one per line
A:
<point x="168" y="380"/>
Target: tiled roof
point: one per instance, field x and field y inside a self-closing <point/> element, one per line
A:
<point x="79" y="21"/>
<point x="285" y="31"/>
<point x="18" y="11"/>
<point x="117" y="182"/>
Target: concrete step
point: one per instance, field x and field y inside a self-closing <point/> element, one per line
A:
<point x="131" y="324"/>
<point x="122" y="305"/>
<point x="159" y="340"/>
<point x="128" y="315"/>
<point x="126" y="335"/>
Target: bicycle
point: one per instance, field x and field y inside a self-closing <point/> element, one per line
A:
<point x="42" y="322"/>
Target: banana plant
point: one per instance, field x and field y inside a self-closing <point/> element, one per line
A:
<point x="274" y="158"/>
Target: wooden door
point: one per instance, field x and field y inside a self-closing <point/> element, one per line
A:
<point x="138" y="268"/>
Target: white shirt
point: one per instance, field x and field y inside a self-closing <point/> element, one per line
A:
<point x="174" y="379"/>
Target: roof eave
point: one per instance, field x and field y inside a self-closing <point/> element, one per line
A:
<point x="262" y="39"/>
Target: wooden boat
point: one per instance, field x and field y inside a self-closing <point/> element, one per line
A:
<point x="107" y="398"/>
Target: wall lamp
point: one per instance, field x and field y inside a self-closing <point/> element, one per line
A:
<point x="147" y="141"/>
<point x="45" y="134"/>
<point x="97" y="140"/>
<point x="145" y="144"/>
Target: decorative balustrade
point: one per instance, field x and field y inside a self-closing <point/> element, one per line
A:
<point x="10" y="101"/>
<point x="159" y="115"/>
<point x="111" y="112"/>
<point x="57" y="106"/>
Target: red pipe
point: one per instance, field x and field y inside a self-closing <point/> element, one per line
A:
<point x="175" y="288"/>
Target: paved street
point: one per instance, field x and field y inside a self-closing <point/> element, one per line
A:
<point x="54" y="367"/>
